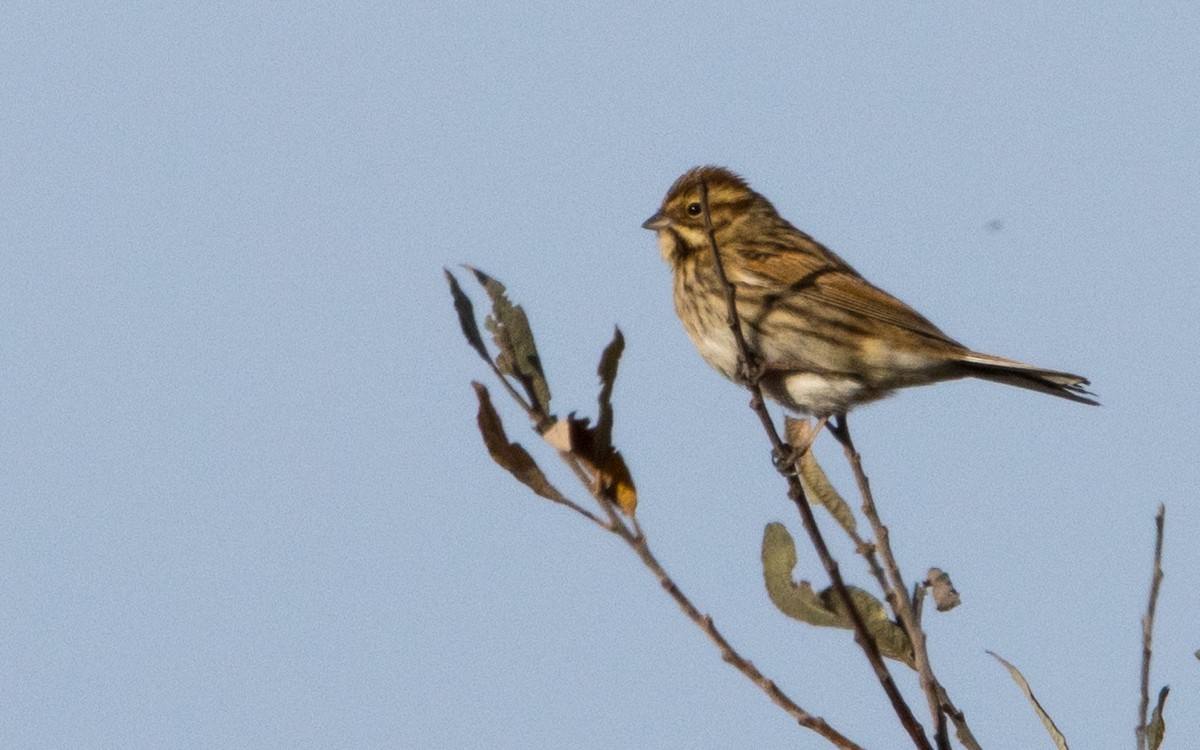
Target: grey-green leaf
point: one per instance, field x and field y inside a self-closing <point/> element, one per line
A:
<point x="892" y="640"/>
<point x="466" y="317"/>
<point x="510" y="330"/>
<point x="1059" y="740"/>
<point x="800" y="602"/>
<point x="796" y="600"/>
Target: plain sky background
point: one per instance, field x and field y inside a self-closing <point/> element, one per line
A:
<point x="245" y="503"/>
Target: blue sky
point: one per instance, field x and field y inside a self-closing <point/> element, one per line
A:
<point x="246" y="502"/>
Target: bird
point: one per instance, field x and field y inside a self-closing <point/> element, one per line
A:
<point x="824" y="339"/>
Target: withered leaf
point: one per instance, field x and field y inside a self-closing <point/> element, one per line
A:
<point x="466" y="317"/>
<point x="510" y="456"/>
<point x="616" y="483"/>
<point x="796" y="600"/>
<point x="945" y="596"/>
<point x="607" y="467"/>
<point x="1157" y="726"/>
<point x="799" y="601"/>
<point x="518" y="355"/>
<point x="817" y="486"/>
<point x="607" y="370"/>
<point x="1059" y="740"/>
<point x="892" y="640"/>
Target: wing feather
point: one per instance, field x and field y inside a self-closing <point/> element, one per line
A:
<point x="819" y="274"/>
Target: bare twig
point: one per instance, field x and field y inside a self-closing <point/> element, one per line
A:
<point x="1148" y="627"/>
<point x="631" y="533"/>
<point x="751" y="375"/>
<point x="562" y="499"/>
<point x="637" y="541"/>
<point x="897" y="591"/>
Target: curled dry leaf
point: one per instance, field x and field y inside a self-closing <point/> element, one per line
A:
<point x="945" y="597"/>
<point x="610" y="476"/>
<point x="796" y="600"/>
<point x="825" y="609"/>
<point x="817" y="486"/>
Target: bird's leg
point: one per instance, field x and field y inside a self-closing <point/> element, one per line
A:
<point x="756" y="369"/>
<point x="841" y="430"/>
<point x="750" y="368"/>
<point x="784" y="459"/>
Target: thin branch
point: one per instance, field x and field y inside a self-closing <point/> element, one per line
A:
<point x="637" y="541"/>
<point x="631" y="533"/>
<point x="897" y="591"/>
<point x="1148" y="626"/>
<point x="562" y="499"/>
<point x="751" y="375"/>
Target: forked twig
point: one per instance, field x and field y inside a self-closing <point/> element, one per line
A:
<point x="785" y="462"/>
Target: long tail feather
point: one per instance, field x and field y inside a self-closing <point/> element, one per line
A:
<point x="1000" y="370"/>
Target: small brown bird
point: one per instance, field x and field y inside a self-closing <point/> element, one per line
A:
<point x="826" y="338"/>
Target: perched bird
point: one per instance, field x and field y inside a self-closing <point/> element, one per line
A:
<point x="825" y="338"/>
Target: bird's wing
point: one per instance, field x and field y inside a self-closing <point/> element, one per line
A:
<point x="825" y="278"/>
<point x="855" y="294"/>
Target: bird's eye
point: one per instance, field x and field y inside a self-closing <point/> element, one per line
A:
<point x="694" y="209"/>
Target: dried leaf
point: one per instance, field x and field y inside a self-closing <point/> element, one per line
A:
<point x="616" y="483"/>
<point x="892" y="640"/>
<point x="1059" y="741"/>
<point x="1157" y="727"/>
<point x="945" y="597"/>
<point x="610" y="475"/>
<point x="817" y="486"/>
<point x="799" y="601"/>
<point x="796" y="600"/>
<point x="558" y="435"/>
<point x="570" y="435"/>
<point x="510" y="456"/>
<point x="518" y="353"/>
<point x="607" y="371"/>
<point x="466" y="317"/>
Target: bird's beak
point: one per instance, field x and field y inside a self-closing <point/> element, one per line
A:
<point x="657" y="222"/>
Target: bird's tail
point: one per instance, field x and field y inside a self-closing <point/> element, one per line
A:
<point x="1061" y="384"/>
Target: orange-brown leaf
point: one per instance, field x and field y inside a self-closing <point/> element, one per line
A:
<point x="611" y="479"/>
<point x="616" y="483"/>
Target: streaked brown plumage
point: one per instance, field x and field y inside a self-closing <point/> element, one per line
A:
<point x="827" y="338"/>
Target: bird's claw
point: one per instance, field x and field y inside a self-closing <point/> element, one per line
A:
<point x="784" y="458"/>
